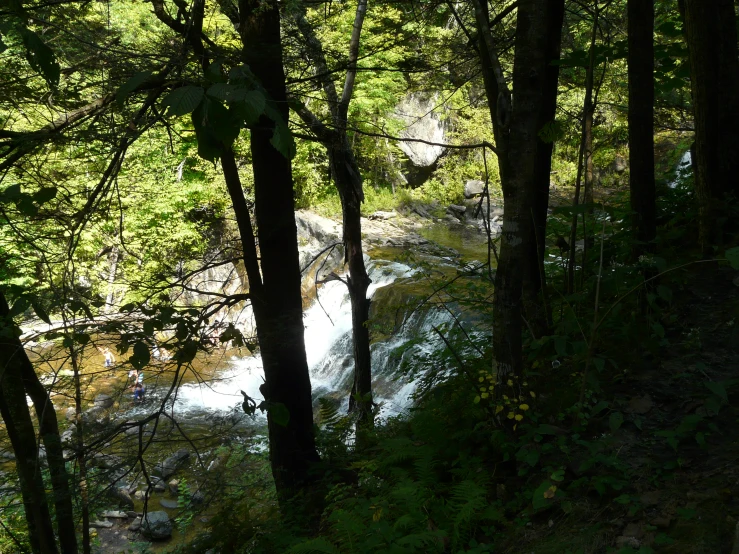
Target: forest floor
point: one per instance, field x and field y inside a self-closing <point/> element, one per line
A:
<point x="679" y="441"/>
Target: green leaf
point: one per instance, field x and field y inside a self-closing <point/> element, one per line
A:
<point x="719" y="390"/>
<point x="623" y="499"/>
<point x="615" y="421"/>
<point x="665" y="293"/>
<point x="44" y="195"/>
<point x="141" y="355"/>
<point x="279" y="413"/>
<point x="599" y="407"/>
<point x="41" y="57"/>
<point x="132" y="84"/>
<point x="249" y="105"/>
<point x="183" y="100"/>
<point x="215" y="128"/>
<point x="19" y="306"/>
<point x="213" y="72"/>
<point x="539" y="500"/>
<point x="552" y="131"/>
<point x="732" y="254"/>
<point x="12" y="193"/>
<point x="26" y="206"/>
<point x="41" y="313"/>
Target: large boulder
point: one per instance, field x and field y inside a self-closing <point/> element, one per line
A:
<point x="156" y="525"/>
<point x="422" y="120"/>
<point x="103" y="401"/>
<point x="176" y="461"/>
<point x="474" y="187"/>
<point x="121" y="495"/>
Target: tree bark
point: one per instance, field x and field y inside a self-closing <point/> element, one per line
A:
<point x="710" y="30"/>
<point x="20" y="429"/>
<point x="536" y="301"/>
<point x="640" y="59"/>
<point x="516" y="127"/>
<point x="348" y="181"/>
<point x="587" y="124"/>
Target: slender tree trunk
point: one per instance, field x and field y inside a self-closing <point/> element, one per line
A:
<point x="536" y="301"/>
<point x="588" y="154"/>
<point x="641" y="123"/>
<point x="516" y="127"/>
<point x="348" y="180"/>
<point x="584" y="147"/>
<point x="20" y="429"/>
<point x="710" y="30"/>
<point x="80" y="452"/>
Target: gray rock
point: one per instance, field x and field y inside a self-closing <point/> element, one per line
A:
<point x="174" y="486"/>
<point x="422" y="120"/>
<point x="70" y="414"/>
<point x="68" y="435"/>
<point x="473" y="188"/>
<point x="101" y="524"/>
<point x="384" y="216"/>
<point x="96" y="414"/>
<point x="122" y="496"/>
<point x="115" y="514"/>
<point x="156" y="525"/>
<point x="132" y="514"/>
<point x="103" y="401"/>
<point x="197" y="497"/>
<point x="169" y="503"/>
<point x="135" y="525"/>
<point x="620" y="164"/>
<point x="160" y="487"/>
<point x="176" y="461"/>
<point x="457" y="211"/>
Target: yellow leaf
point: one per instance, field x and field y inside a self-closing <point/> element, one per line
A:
<point x="485" y="395"/>
<point x="377" y="515"/>
<point x="510" y="383"/>
<point x="511" y="415"/>
<point x="483" y="389"/>
<point x="477" y="399"/>
<point x="505" y="397"/>
<point x="532" y="393"/>
<point x="482" y="379"/>
<point x="524" y="407"/>
<point x="525" y="384"/>
<point x="549" y="493"/>
<point x="498" y="409"/>
<point x="519" y="417"/>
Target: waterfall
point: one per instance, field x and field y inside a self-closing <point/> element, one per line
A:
<point x="328" y="340"/>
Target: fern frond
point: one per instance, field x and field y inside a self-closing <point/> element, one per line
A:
<point x="315" y="546"/>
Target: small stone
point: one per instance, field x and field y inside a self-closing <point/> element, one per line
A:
<point x="135" y="524"/>
<point x="169" y="504"/>
<point x="115" y="514"/>
<point x="132" y="514"/>
<point x="159" y="487"/>
<point x="101" y="524"/>
<point x="174" y="486"/>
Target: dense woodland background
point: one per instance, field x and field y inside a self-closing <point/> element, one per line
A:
<point x="581" y="155"/>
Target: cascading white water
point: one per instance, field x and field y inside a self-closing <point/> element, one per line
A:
<point x="328" y="344"/>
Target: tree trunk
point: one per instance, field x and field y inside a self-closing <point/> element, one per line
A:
<point x="20" y="429"/>
<point x="640" y="15"/>
<point x="517" y="139"/>
<point x="710" y="30"/>
<point x="536" y="303"/>
<point x="587" y="125"/>
<point x="348" y="180"/>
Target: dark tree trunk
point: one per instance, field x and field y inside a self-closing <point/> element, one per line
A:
<point x="586" y="145"/>
<point x="516" y="127"/>
<point x="536" y="301"/>
<point x="710" y="30"/>
<point x="60" y="479"/>
<point x="640" y="15"/>
<point x="20" y="429"/>
<point x="348" y="181"/>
